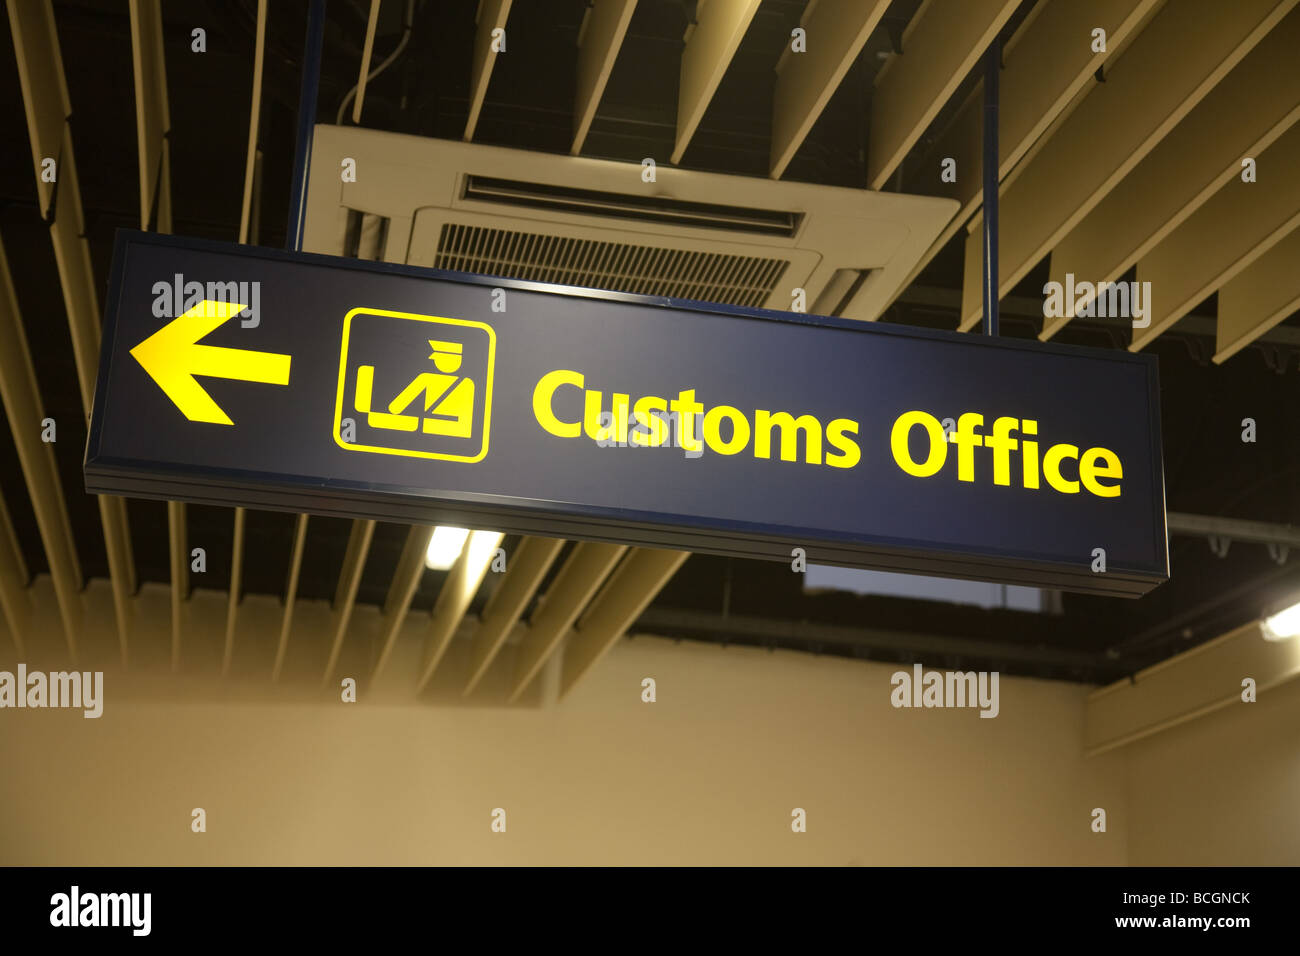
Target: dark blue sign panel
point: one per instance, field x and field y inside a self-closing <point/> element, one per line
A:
<point x="244" y="376"/>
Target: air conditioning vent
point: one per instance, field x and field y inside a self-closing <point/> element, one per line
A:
<point x="677" y="212"/>
<point x="617" y="266"/>
<point x="579" y="221"/>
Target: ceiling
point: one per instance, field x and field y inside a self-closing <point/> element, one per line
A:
<point x="914" y="109"/>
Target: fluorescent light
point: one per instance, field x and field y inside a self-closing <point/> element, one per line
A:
<point x="919" y="586"/>
<point x="1283" y="624"/>
<point x="483" y="548"/>
<point x="445" y="547"/>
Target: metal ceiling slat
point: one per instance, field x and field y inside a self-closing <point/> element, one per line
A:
<point x="630" y="589"/>
<point x="153" y="124"/>
<point x="47" y="107"/>
<point x="250" y="162"/>
<point x="1045" y="69"/>
<point x="836" y="31"/>
<point x="367" y="49"/>
<point x="1240" y="223"/>
<point x="406" y="581"/>
<point x="1242" y="116"/>
<point x="943" y="44"/>
<point x="580" y="578"/>
<point x="153" y="121"/>
<point x="1177" y="59"/>
<point x="1259" y="297"/>
<point x="236" y="571"/>
<point x="121" y="565"/>
<point x="45" y="88"/>
<point x="290" y="594"/>
<point x="711" y="43"/>
<point x="180" y="572"/>
<point x="77" y="281"/>
<point x="525" y="570"/>
<point x="254" y="118"/>
<point x="76" y="274"/>
<point x="345" y="596"/>
<point x="599" y="38"/>
<point x="492" y="16"/>
<point x="15" y="600"/>
<point x="457" y="592"/>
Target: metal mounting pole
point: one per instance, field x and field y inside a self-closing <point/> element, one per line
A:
<point x="306" y="123"/>
<point x="992" y="65"/>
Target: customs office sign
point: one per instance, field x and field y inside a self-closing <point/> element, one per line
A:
<point x="369" y="390"/>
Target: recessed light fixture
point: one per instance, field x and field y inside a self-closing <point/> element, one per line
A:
<point x="1283" y="624"/>
<point x="445" y="547"/>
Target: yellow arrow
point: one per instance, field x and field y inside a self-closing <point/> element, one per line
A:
<point x="172" y="357"/>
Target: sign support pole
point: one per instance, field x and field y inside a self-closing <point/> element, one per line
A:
<point x="992" y="65"/>
<point x="306" y="123"/>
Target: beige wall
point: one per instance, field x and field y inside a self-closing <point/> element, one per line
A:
<point x="707" y="775"/>
<point x="1220" y="790"/>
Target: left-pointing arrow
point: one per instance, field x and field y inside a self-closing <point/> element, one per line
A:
<point x="172" y="357"/>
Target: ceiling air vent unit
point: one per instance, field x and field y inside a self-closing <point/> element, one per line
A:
<point x="676" y="212"/>
<point x="617" y="266"/>
<point x="590" y="222"/>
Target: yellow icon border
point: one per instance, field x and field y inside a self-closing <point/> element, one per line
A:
<point x="435" y="320"/>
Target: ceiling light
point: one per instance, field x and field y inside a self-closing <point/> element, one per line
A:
<point x="445" y="547"/>
<point x="483" y="548"/>
<point x="1283" y="624"/>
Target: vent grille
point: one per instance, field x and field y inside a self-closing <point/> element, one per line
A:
<point x="591" y="202"/>
<point x="615" y="266"/>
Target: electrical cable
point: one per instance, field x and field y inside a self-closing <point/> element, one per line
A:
<point x="388" y="61"/>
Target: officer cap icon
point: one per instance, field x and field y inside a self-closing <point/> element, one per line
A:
<point x="446" y="355"/>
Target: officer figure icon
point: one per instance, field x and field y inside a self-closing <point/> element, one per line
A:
<point x="448" y="397"/>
